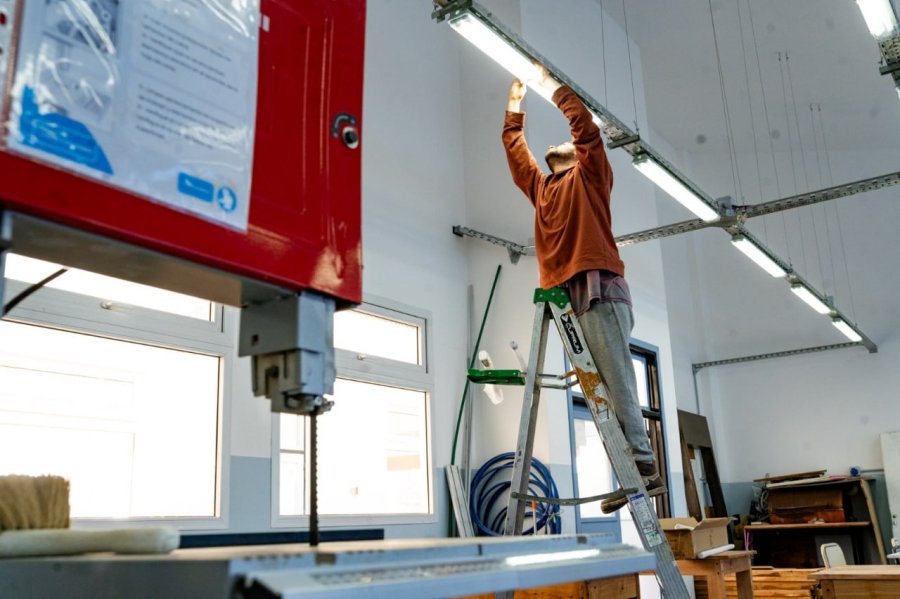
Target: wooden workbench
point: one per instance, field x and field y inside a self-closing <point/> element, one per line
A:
<point x="859" y="582"/>
<point x="714" y="569"/>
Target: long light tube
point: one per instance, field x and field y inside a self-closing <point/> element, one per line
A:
<point x="879" y="16"/>
<point x="505" y="54"/>
<point x="497" y="47"/>
<point x="675" y="188"/>
<point x="846" y="330"/>
<point x="750" y="250"/>
<point x="811" y="300"/>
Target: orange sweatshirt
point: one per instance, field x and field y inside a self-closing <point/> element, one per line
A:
<point x="572" y="221"/>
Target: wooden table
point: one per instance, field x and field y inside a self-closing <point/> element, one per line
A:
<point x="859" y="582"/>
<point x="714" y="569"/>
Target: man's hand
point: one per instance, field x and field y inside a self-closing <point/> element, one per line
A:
<point x="545" y="81"/>
<point x="516" y="93"/>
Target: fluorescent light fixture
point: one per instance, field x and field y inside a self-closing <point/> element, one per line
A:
<point x="497" y="47"/>
<point x="752" y="251"/>
<point x="543" y="558"/>
<point x="675" y="188"/>
<point x="846" y="330"/>
<point x="879" y="16"/>
<point x="812" y="301"/>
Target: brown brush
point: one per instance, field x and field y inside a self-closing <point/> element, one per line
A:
<point x="33" y="502"/>
<point x="34" y="521"/>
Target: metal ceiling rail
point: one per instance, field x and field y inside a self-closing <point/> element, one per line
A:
<point x="742" y="213"/>
<point x="515" y="250"/>
<point x="822" y="195"/>
<point x="780" y="354"/>
<point x="620" y="135"/>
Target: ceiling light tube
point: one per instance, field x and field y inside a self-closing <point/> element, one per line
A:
<point x="810" y="298"/>
<point x="845" y="328"/>
<point x="879" y="16"/>
<point x="752" y="251"/>
<point x="497" y="47"/>
<point x="666" y="181"/>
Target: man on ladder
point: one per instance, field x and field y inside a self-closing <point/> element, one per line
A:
<point x="576" y="249"/>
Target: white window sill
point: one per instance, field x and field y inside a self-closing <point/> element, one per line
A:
<point x="354" y="521"/>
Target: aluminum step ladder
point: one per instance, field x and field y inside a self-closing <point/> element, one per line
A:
<point x="554" y="304"/>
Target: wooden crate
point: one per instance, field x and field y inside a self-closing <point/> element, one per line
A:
<point x="769" y="583"/>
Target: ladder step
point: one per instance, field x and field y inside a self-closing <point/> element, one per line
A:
<point x="496" y="377"/>
<point x="573" y="500"/>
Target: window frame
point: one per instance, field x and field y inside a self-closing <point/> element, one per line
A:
<point x="380" y="371"/>
<point x="79" y="313"/>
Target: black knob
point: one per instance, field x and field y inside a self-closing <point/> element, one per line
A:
<point x="351" y="137"/>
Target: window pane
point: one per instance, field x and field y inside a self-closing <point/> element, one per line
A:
<point x="292" y="433"/>
<point x="133" y="427"/>
<point x="293" y="477"/>
<point x="372" y="451"/>
<point x="29" y="270"/>
<point x="592" y="467"/>
<point x="376" y="336"/>
<point x="640" y="373"/>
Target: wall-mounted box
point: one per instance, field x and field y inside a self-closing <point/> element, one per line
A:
<point x="181" y="145"/>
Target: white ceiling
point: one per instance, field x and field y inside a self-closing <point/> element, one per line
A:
<point x="833" y="63"/>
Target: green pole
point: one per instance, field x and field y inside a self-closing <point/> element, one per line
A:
<point x="462" y="404"/>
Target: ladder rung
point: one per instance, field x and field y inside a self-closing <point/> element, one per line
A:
<point x="573" y="500"/>
<point x="496" y="377"/>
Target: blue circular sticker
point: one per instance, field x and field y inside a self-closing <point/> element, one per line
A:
<point x="227" y="199"/>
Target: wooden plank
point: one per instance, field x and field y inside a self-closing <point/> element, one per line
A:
<point x="866" y="589"/>
<point x="690" y="485"/>
<point x="695" y="429"/>
<point x="822" y="525"/>
<point x="715" y="486"/>
<point x="876" y="529"/>
<point x="618" y="587"/>
<point x="784" y="477"/>
<point x="858" y="572"/>
<point x="767" y="583"/>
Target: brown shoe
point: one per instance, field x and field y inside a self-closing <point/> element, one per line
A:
<point x="652" y="481"/>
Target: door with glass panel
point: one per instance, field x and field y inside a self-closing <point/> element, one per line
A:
<point x="591" y="470"/>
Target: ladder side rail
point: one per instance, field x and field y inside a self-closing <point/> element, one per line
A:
<point x="654" y="540"/>
<point x="515" y="512"/>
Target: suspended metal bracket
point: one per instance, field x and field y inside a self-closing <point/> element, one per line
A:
<point x="515" y="250"/>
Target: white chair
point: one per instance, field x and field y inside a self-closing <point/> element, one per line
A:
<point x="832" y="555"/>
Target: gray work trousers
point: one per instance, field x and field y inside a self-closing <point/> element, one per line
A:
<point x="607" y="329"/>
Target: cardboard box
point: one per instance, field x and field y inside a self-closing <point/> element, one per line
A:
<point x="688" y="537"/>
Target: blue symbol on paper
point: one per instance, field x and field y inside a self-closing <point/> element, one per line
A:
<point x="195" y="187"/>
<point x="227" y="199"/>
<point x="59" y="135"/>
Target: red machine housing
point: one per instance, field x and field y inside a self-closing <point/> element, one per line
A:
<point x="305" y="217"/>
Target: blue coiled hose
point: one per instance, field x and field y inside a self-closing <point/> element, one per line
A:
<point x="486" y="491"/>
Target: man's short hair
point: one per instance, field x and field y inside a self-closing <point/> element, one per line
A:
<point x="555" y="157"/>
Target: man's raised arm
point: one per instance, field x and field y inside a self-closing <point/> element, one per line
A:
<point x="585" y="133"/>
<point x="526" y="173"/>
